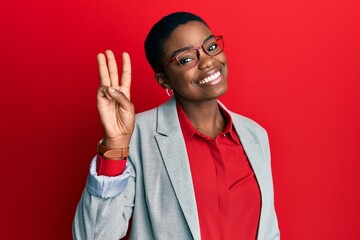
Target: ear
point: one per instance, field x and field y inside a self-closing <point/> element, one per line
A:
<point x="162" y="80"/>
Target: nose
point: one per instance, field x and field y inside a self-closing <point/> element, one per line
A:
<point x="205" y="60"/>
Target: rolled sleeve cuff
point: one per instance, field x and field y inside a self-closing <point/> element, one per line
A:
<point x="106" y="186"/>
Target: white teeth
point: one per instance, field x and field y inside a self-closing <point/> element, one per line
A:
<point x="210" y="78"/>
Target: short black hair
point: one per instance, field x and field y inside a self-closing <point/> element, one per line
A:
<point x="161" y="31"/>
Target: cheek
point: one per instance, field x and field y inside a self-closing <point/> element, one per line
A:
<point x="222" y="58"/>
<point x="180" y="78"/>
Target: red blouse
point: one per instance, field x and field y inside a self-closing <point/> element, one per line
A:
<point x="227" y="193"/>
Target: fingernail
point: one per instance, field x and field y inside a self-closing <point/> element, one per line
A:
<point x="112" y="90"/>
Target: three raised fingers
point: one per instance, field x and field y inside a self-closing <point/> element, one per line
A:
<point x="109" y="73"/>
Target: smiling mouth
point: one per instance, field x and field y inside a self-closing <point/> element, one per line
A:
<point x="210" y="78"/>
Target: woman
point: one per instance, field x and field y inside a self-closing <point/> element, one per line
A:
<point x="194" y="170"/>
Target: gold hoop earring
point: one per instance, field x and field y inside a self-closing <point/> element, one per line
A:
<point x="171" y="93"/>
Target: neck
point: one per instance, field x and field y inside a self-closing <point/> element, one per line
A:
<point x="206" y="116"/>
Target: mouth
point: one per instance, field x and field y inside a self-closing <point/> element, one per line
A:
<point x="213" y="79"/>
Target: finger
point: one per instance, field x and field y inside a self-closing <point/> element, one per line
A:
<point x="126" y="71"/>
<point x="103" y="70"/>
<point x="120" y="98"/>
<point x="103" y="92"/>
<point x="112" y="66"/>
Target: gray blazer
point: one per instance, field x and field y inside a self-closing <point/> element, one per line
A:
<point x="158" y="191"/>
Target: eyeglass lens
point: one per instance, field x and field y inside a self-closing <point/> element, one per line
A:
<point x="190" y="57"/>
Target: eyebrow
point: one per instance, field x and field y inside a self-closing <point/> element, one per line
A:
<point x="176" y="52"/>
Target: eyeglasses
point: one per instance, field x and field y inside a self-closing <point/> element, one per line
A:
<point x="190" y="57"/>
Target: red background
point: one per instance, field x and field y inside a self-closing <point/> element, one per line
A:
<point x="294" y="67"/>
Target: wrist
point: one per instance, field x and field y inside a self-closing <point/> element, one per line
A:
<point x="116" y="143"/>
<point x="112" y="153"/>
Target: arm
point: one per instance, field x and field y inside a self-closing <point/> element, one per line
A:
<point x="106" y="204"/>
<point x="104" y="213"/>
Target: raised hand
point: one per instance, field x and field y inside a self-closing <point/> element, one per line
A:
<point x="117" y="113"/>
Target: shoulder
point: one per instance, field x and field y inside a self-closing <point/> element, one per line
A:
<point x="248" y="128"/>
<point x="252" y="127"/>
<point x="152" y="115"/>
<point x="250" y="131"/>
<point x="248" y="123"/>
<point x="146" y="115"/>
<point x="244" y="122"/>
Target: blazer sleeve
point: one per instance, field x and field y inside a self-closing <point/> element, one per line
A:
<point x="105" y="206"/>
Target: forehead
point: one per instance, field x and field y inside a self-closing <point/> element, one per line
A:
<point x="191" y="34"/>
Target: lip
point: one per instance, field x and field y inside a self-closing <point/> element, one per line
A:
<point x="213" y="77"/>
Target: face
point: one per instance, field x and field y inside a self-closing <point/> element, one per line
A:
<point x="205" y="81"/>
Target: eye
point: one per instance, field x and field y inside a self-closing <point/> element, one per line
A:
<point x="187" y="57"/>
<point x="185" y="60"/>
<point x="213" y="46"/>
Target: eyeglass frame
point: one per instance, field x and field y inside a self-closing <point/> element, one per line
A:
<point x="175" y="58"/>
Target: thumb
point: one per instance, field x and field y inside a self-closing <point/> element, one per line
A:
<point x="121" y="99"/>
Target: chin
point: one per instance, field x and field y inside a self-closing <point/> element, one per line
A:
<point x="221" y="90"/>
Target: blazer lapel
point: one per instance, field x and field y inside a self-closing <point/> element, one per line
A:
<point x="173" y="151"/>
<point x="253" y="152"/>
<point x="257" y="160"/>
<point x="252" y="149"/>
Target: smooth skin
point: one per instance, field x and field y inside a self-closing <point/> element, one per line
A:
<point x="117" y="113"/>
<point x="199" y="102"/>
